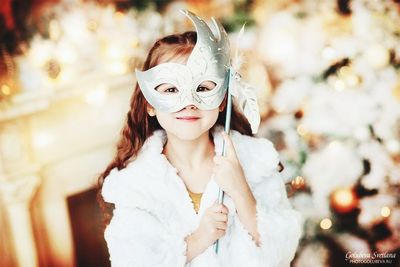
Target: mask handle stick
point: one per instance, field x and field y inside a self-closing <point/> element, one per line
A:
<point x="227" y="129"/>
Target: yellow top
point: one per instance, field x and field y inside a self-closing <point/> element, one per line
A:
<point x="196" y="198"/>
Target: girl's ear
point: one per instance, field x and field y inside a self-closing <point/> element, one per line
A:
<point x="151" y="111"/>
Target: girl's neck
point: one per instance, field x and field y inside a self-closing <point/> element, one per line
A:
<point x="190" y="154"/>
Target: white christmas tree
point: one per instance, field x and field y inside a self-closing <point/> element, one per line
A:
<point x="334" y="114"/>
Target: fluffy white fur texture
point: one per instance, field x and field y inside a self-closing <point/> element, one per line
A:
<point x="153" y="211"/>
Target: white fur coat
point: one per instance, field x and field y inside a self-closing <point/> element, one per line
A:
<point x="154" y="213"/>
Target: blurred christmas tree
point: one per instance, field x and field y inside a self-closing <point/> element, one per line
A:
<point x="334" y="115"/>
<point x="334" y="99"/>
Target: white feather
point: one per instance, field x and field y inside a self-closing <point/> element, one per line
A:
<point x="246" y="99"/>
<point x="244" y="95"/>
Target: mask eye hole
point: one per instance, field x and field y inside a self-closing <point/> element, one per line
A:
<point x="167" y="89"/>
<point x="206" y="86"/>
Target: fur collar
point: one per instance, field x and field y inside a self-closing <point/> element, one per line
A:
<point x="151" y="183"/>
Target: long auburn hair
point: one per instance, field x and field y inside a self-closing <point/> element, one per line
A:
<point x="139" y="125"/>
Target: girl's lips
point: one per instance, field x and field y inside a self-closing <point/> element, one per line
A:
<point x="188" y="118"/>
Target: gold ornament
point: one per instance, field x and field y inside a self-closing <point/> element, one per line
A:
<point x="5" y="89"/>
<point x="53" y="68"/>
<point x="8" y="75"/>
<point x="92" y="25"/>
<point x="343" y="200"/>
<point x="298" y="183"/>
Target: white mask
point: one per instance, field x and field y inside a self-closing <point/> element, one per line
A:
<point x="209" y="61"/>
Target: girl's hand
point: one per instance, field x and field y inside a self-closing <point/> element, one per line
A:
<point x="212" y="225"/>
<point x="228" y="172"/>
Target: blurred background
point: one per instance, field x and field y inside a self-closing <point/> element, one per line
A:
<point x="327" y="76"/>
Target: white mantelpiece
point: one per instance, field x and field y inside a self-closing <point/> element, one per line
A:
<point x="53" y="145"/>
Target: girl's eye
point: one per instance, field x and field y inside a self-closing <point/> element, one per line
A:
<point x="206" y="86"/>
<point x="166" y="89"/>
<point x="171" y="90"/>
<point x="202" y="89"/>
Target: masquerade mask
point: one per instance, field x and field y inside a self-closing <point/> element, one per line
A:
<point x="209" y="61"/>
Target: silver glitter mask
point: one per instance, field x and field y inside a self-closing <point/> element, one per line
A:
<point x="209" y="61"/>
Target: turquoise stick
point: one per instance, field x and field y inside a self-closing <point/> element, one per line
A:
<point x="227" y="130"/>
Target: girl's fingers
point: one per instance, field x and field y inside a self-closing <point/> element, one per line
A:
<point x="230" y="149"/>
<point x="220" y="233"/>
<point x="219" y="208"/>
<point x="220" y="217"/>
<point x="221" y="225"/>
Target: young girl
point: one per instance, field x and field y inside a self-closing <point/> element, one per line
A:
<point x="160" y="191"/>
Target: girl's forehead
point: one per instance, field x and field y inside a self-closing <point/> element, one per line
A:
<point x="177" y="58"/>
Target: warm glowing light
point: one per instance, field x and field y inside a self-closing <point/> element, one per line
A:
<point x="301" y="130"/>
<point x="396" y="92"/>
<point x="325" y="224"/>
<point x="97" y="97"/>
<point x="377" y="55"/>
<point x="119" y="15"/>
<point x="343" y="200"/>
<point x="344" y="196"/>
<point x="298" y="182"/>
<point x="353" y="80"/>
<point x="54" y="30"/>
<point x="92" y="25"/>
<point x="5" y="89"/>
<point x="393" y="146"/>
<point x="113" y="52"/>
<point x="42" y="140"/>
<point x="117" y="67"/>
<point x="339" y="85"/>
<point x="135" y="43"/>
<point x="385" y="211"/>
<point x="345" y="71"/>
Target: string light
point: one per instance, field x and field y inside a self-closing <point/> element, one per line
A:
<point x="385" y="211"/>
<point x="339" y="85"/>
<point x="301" y="130"/>
<point x="325" y="224"/>
<point x="377" y="56"/>
<point x="344" y="200"/>
<point x="5" y="89"/>
<point x="298" y="182"/>
<point x="119" y="15"/>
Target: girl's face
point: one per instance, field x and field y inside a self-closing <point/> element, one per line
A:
<point x="190" y="122"/>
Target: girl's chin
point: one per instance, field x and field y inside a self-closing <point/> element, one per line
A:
<point x="188" y="135"/>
